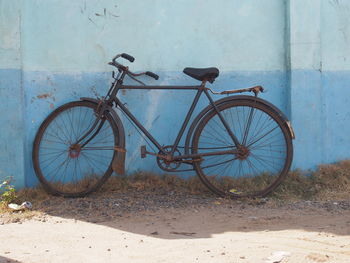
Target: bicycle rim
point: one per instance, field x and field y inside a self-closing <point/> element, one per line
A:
<point x="263" y="160"/>
<point x="62" y="165"/>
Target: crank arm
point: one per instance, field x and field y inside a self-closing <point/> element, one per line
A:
<point x="144" y="152"/>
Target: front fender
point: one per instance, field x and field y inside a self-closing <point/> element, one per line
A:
<point x="118" y="163"/>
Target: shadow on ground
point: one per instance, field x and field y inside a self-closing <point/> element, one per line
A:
<point x="173" y="215"/>
<point x="8" y="260"/>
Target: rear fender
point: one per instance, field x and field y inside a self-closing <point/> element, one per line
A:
<point x="118" y="164"/>
<point x="209" y="108"/>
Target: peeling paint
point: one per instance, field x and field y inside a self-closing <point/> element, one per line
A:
<point x="94" y="91"/>
<point x="99" y="18"/>
<point x="44" y="96"/>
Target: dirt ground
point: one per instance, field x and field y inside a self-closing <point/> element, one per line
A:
<point x="196" y="230"/>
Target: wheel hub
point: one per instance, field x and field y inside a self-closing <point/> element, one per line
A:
<point x="243" y="153"/>
<point x="74" y="151"/>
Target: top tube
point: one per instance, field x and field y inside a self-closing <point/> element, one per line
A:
<point x="161" y="87"/>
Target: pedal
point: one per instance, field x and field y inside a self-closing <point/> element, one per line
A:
<point x="143" y="151"/>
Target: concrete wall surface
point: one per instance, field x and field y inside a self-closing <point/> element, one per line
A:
<point x="55" y="51"/>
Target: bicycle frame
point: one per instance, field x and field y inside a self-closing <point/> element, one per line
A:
<point x="93" y="142"/>
<point x="117" y="85"/>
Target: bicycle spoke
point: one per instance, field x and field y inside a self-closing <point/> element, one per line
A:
<point x="247" y="126"/>
<point x="262" y="136"/>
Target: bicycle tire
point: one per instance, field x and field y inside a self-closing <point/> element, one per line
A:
<point x="267" y="144"/>
<point x="53" y="147"/>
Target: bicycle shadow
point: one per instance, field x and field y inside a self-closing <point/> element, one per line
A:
<point x="205" y="224"/>
<point x="213" y="216"/>
<point x="8" y="260"/>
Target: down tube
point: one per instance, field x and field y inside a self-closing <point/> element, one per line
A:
<point x="138" y="124"/>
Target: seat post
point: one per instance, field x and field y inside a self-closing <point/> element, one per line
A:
<point x="204" y="81"/>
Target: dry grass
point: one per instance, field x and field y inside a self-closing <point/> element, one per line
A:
<point x="32" y="194"/>
<point x="146" y="181"/>
<point x="18" y="216"/>
<point x="328" y="182"/>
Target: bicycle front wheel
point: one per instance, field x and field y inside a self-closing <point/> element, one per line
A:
<point x="66" y="166"/>
<point x="258" y="164"/>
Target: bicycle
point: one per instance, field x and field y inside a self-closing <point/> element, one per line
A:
<point x="239" y="146"/>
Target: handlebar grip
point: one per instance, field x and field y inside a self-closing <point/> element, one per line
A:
<point x="128" y="57"/>
<point x="151" y="74"/>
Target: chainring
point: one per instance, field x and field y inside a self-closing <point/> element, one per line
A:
<point x="169" y="166"/>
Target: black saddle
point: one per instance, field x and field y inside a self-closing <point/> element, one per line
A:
<point x="201" y="74"/>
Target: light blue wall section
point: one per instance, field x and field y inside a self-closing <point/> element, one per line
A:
<point x="335" y="37"/>
<point x="10" y="34"/>
<point x="298" y="50"/>
<point x="163" y="35"/>
<point x="335" y="67"/>
<point x="319" y="54"/>
<point x="305" y="82"/>
<point x="12" y="129"/>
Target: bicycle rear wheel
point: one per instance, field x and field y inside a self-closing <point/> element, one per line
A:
<point x="264" y="157"/>
<point x="65" y="166"/>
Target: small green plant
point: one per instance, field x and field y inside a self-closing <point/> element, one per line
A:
<point x="7" y="192"/>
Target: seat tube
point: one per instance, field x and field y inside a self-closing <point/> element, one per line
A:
<point x="187" y="119"/>
<point x="227" y="127"/>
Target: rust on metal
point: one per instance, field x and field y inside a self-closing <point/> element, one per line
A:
<point x="255" y="89"/>
<point x="119" y="149"/>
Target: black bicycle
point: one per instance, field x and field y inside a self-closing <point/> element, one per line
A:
<point x="240" y="146"/>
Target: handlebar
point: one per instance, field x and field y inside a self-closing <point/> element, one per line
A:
<point x="126" y="69"/>
<point x="128" y="57"/>
<point x="152" y="75"/>
<point x="123" y="55"/>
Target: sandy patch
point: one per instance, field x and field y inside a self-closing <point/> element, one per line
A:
<point x="213" y="233"/>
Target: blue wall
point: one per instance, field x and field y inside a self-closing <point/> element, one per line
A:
<point x="298" y="50"/>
